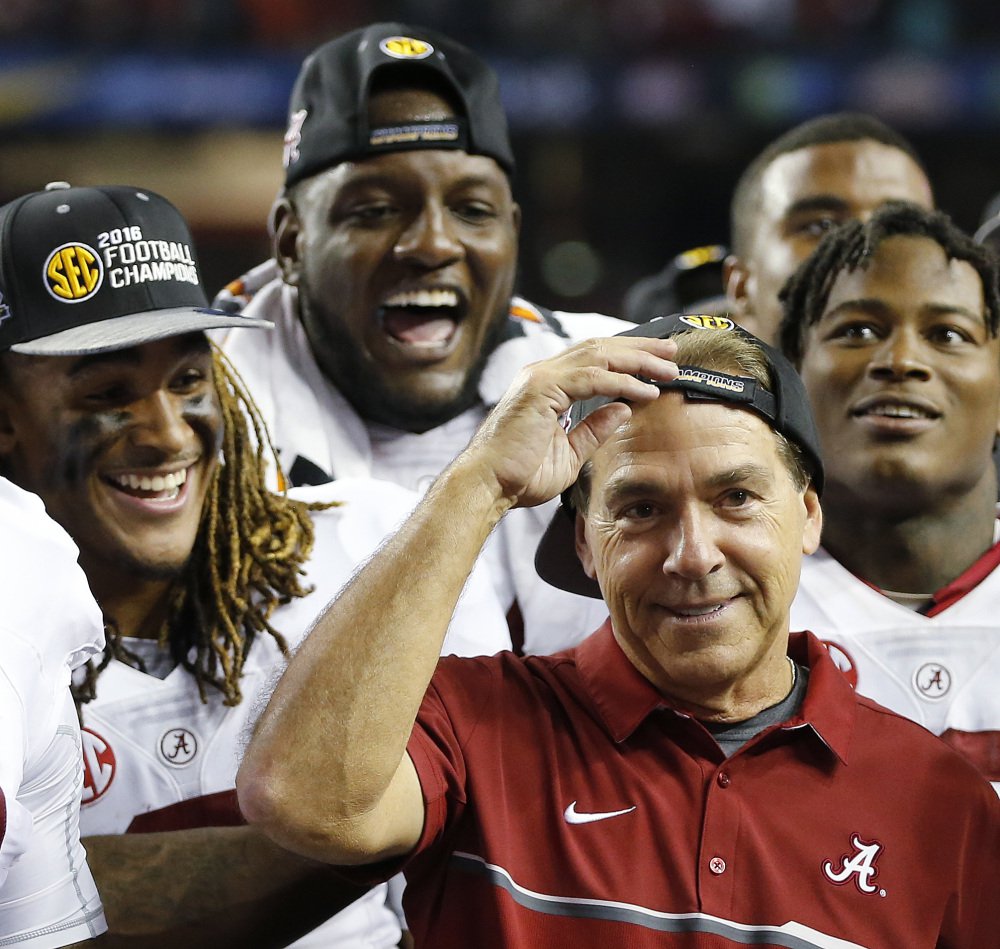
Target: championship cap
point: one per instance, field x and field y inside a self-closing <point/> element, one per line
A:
<point x="785" y="408"/>
<point x="691" y="282"/>
<point x="88" y="270"/>
<point x="328" y="110"/>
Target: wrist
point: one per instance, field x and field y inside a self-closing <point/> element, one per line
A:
<point x="473" y="487"/>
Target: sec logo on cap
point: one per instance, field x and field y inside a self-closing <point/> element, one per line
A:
<point x="405" y="47"/>
<point x="73" y="272"/>
<point x="706" y="322"/>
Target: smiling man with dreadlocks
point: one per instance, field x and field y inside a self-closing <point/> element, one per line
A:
<point x="145" y="446"/>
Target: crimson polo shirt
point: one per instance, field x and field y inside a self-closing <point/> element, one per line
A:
<point x="568" y="805"/>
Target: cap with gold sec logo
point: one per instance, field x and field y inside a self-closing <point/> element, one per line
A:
<point x="328" y="111"/>
<point x="784" y="406"/>
<point x="85" y="270"/>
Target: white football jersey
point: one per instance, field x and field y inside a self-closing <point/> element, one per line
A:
<point x="310" y="420"/>
<point x="942" y="671"/>
<point x="158" y="758"/>
<point x="50" y="625"/>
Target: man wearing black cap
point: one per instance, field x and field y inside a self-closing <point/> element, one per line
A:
<point x="396" y="237"/>
<point x="690" y="774"/>
<point x="142" y="444"/>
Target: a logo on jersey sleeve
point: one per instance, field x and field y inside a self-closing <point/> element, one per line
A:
<point x="932" y="681"/>
<point x="178" y="746"/>
<point x="843" y="660"/>
<point x="703" y="321"/>
<point x="99" y="766"/>
<point x="405" y="47"/>
<point x="73" y="272"/>
<point x="857" y="867"/>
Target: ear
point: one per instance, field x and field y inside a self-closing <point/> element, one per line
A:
<point x="8" y="431"/>
<point x="285" y="229"/>
<point x="516" y="215"/>
<point x="812" y="530"/>
<point x="7" y="437"/>
<point x="583" y="551"/>
<point x="734" y="280"/>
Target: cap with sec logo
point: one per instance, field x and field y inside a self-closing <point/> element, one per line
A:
<point x="86" y="270"/>
<point x="328" y="110"/>
<point x="785" y="407"/>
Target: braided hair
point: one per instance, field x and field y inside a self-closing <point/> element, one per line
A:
<point x="852" y="245"/>
<point x="247" y="559"/>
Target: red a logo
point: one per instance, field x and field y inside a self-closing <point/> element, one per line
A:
<point x="98" y="766"/>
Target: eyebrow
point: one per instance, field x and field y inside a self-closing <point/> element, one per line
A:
<point x="816" y="202"/>
<point x="188" y="343"/>
<point x="877" y="306"/>
<point x="625" y="489"/>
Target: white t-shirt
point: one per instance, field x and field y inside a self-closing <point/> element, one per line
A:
<point x="942" y="671"/>
<point x="50" y="625"/>
<point x="158" y="758"/>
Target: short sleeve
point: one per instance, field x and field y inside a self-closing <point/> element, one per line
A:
<point x="15" y="820"/>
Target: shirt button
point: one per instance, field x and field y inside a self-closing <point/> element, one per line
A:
<point x="723" y="779"/>
<point x="717" y="865"/>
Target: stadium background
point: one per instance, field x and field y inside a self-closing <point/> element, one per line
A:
<point x="631" y="119"/>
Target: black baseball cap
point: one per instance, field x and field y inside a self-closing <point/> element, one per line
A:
<point x="328" y="110"/>
<point x="785" y="408"/>
<point x="89" y="270"/>
<point x="691" y="282"/>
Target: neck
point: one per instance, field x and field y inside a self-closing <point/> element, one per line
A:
<point x="136" y="605"/>
<point x="918" y="550"/>
<point x="736" y="697"/>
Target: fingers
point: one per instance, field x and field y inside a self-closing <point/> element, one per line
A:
<point x="609" y="367"/>
<point x="596" y="428"/>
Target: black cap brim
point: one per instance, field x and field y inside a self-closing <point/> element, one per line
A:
<point x="555" y="557"/>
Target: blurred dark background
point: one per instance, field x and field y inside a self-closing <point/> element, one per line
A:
<point x="631" y="119"/>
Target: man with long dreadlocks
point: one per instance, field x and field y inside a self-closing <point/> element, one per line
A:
<point x="894" y="327"/>
<point x="143" y="444"/>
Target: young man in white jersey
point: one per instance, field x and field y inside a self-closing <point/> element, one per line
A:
<point x="395" y="255"/>
<point x="50" y="626"/>
<point x="830" y="169"/>
<point x="893" y="325"/>
<point x="117" y="412"/>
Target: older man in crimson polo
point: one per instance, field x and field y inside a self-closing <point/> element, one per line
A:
<point x="691" y="774"/>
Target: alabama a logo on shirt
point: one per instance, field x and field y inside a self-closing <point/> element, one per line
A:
<point x="99" y="765"/>
<point x="858" y="866"/>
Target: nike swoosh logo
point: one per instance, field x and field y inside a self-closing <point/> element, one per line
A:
<point x="575" y="817"/>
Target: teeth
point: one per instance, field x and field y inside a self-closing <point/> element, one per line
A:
<point x="425" y="298"/>
<point x="898" y="411"/>
<point x="168" y="482"/>
<point x="699" y="610"/>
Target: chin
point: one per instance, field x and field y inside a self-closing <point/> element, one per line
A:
<point x="418" y="408"/>
<point x="166" y="567"/>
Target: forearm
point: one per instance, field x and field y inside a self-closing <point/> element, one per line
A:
<point x="211" y="887"/>
<point x="326" y="773"/>
<point x="334" y="733"/>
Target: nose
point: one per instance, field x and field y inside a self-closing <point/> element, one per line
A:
<point x="694" y="551"/>
<point x="898" y="357"/>
<point x="429" y="239"/>
<point x="158" y="423"/>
